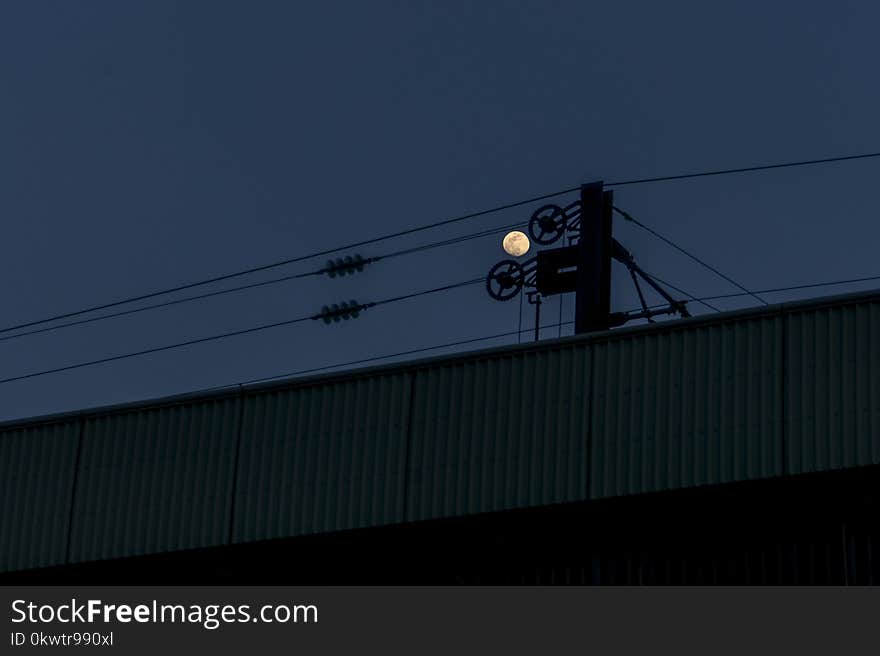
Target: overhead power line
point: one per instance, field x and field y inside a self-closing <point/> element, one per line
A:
<point x="792" y="288"/>
<point x="435" y="224"/>
<point x="156" y="349"/>
<point x="746" y="169"/>
<point x="264" y="283"/>
<point x="386" y="356"/>
<point x="375" y="358"/>
<point x="629" y="217"/>
<point x="701" y="301"/>
<point x="155" y="306"/>
<point x="517" y="332"/>
<point x="234" y="333"/>
<point x="422" y="349"/>
<point x="244" y="272"/>
<point x="773" y="290"/>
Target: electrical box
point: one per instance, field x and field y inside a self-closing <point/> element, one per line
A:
<point x="557" y="270"/>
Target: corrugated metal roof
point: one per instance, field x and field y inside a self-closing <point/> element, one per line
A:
<point x="787" y="388"/>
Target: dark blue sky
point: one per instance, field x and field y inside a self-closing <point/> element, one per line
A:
<point x="145" y="144"/>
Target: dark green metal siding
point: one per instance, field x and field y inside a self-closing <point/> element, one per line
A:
<point x="682" y="407"/>
<point x="785" y="389"/>
<point x="499" y="433"/>
<point x="833" y="391"/>
<point x="36" y="482"/>
<point x="323" y="458"/>
<point x="155" y="480"/>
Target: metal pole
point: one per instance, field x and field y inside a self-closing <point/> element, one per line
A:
<point x="522" y="292"/>
<point x="593" y="293"/>
<point x="537" y="316"/>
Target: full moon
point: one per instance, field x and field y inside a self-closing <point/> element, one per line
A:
<point x="515" y="243"/>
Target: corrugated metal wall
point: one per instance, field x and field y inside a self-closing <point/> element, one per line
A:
<point x="499" y="433"/>
<point x="323" y="458"/>
<point x="833" y="387"/>
<point x="684" y="407"/>
<point x="155" y="480"/>
<point x="36" y="483"/>
<point x="733" y="397"/>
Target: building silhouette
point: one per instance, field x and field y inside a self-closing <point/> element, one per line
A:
<point x="737" y="448"/>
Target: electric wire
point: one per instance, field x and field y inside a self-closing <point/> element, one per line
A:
<point x="273" y="281"/>
<point x="375" y="358"/>
<point x="234" y="333"/>
<point x="681" y="291"/>
<point x="632" y="219"/>
<point x="554" y="325"/>
<point x="404" y="297"/>
<point x="772" y="290"/>
<point x="792" y="288"/>
<point x="435" y="224"/>
<point x="423" y="349"/>
<point x="746" y="169"/>
<point x="451" y="241"/>
<point x="156" y="349"/>
<point x="280" y="263"/>
<point x="703" y="300"/>
<point x="517" y="332"/>
<point x="155" y="306"/>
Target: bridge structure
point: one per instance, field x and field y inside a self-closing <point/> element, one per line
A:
<point x="740" y="447"/>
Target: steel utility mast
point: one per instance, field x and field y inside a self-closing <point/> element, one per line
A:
<point x="582" y="267"/>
